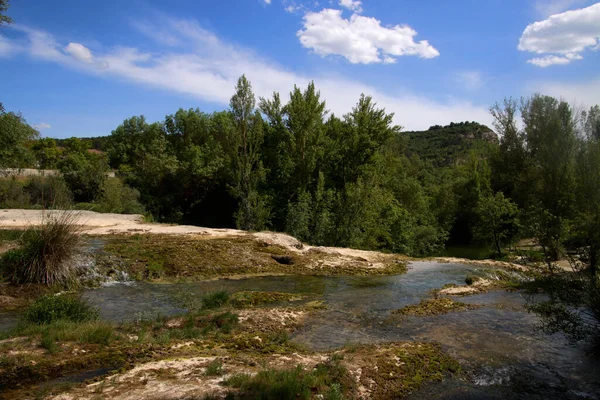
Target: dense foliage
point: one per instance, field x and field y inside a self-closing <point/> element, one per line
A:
<point x="355" y="180"/>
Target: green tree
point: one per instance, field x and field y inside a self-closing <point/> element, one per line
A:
<point x="15" y="134"/>
<point x="551" y="146"/>
<point x="587" y="218"/>
<point x="497" y="220"/>
<point x="4" y="19"/>
<point x="85" y="175"/>
<point x="46" y="153"/>
<point x="244" y="145"/>
<point x="304" y="119"/>
<point x="510" y="164"/>
<point x="277" y="158"/>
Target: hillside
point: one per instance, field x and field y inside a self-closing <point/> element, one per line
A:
<point x="446" y="145"/>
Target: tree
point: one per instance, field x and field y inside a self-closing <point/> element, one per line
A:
<point x="304" y="119"/>
<point x="85" y="175"/>
<point x="4" y="19"/>
<point x="497" y="220"/>
<point x="551" y="147"/>
<point x="509" y="162"/>
<point x="15" y="134"/>
<point x="244" y="145"/>
<point x="587" y="218"/>
<point x="46" y="153"/>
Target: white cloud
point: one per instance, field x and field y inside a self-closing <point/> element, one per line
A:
<point x="207" y="69"/>
<point x="267" y="2"/>
<point x="42" y="126"/>
<point x="353" y="5"/>
<point x="471" y="80"/>
<point x="565" y="35"/>
<point x="547" y="61"/>
<point x="360" y="39"/>
<point x="79" y="52"/>
<point x="546" y="8"/>
<point x="582" y="92"/>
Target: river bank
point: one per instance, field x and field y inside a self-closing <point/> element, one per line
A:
<point x="343" y="323"/>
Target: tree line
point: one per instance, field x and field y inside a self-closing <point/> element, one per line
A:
<point x="355" y="180"/>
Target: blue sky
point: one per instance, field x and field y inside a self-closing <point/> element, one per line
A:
<point x="79" y="67"/>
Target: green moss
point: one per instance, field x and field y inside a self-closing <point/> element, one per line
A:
<point x="253" y="299"/>
<point x="401" y="369"/>
<point x="436" y="306"/>
<point x="192" y="258"/>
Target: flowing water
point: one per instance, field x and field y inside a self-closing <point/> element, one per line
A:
<point x="499" y="346"/>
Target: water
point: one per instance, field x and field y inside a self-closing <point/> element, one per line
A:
<point x="505" y="356"/>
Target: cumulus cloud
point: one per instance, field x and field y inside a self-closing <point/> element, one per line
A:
<point x="267" y="2"/>
<point x="42" y="126"/>
<point x="361" y="40"/>
<point x="207" y="68"/>
<point x="79" y="52"/>
<point x="547" y="61"/>
<point x="562" y="36"/>
<point x="353" y="5"/>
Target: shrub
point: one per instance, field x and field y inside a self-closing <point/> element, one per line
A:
<point x="12" y="194"/>
<point x="48" y="192"/>
<point x="51" y="308"/>
<point x="46" y="253"/>
<point x="224" y="322"/>
<point x="119" y="198"/>
<point x="296" y="383"/>
<point x="215" y="300"/>
<point x="215" y="368"/>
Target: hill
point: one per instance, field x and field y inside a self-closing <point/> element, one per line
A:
<point x="447" y="145"/>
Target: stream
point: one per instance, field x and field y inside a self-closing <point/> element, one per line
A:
<point x="499" y="346"/>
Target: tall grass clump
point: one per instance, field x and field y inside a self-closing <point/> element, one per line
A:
<point x="215" y="300"/>
<point x="51" y="308"/>
<point x="46" y="253"/>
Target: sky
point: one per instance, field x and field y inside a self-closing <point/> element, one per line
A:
<point x="80" y="67"/>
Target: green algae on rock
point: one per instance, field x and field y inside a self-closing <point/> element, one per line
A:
<point x="193" y="257"/>
<point x="435" y="306"/>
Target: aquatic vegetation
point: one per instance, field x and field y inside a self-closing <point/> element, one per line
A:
<point x="253" y="299"/>
<point x="436" y="306"/>
<point x="326" y="379"/>
<point x="215" y="300"/>
<point x="399" y="369"/>
<point x="195" y="257"/>
<point x="51" y="308"/>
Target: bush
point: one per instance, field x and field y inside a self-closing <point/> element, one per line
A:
<point x="52" y="308"/>
<point x="215" y="368"/>
<point x="215" y="300"/>
<point x="119" y="198"/>
<point x="12" y="194"/>
<point x="292" y="384"/>
<point x="48" y="192"/>
<point x="46" y="253"/>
